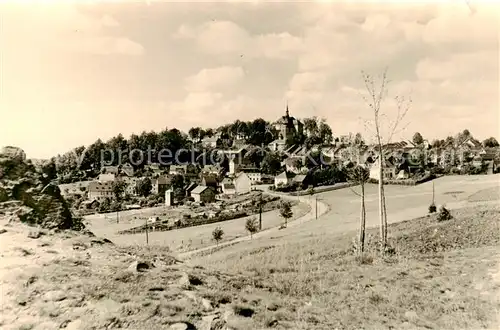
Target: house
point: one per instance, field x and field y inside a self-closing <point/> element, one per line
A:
<point x="154" y="168"/>
<point x="228" y="187"/>
<point x="210" y="181"/>
<point x="477" y="161"/>
<point x="389" y="171"/>
<point x="402" y="175"/>
<point x="253" y="174"/>
<point x="190" y="187"/>
<point x="203" y="194"/>
<point x="302" y="180"/>
<point x="187" y="170"/>
<point x="106" y="177"/>
<point x="128" y="170"/>
<point x="212" y="169"/>
<point x="281" y="179"/>
<point x="131" y="185"/>
<point x="161" y="184"/>
<point x="110" y="170"/>
<point x="277" y="145"/>
<point x="294" y="165"/>
<point x="211" y="142"/>
<point x="100" y="190"/>
<point x="242" y="183"/>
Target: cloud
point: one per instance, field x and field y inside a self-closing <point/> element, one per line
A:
<point x="214" y="79"/>
<point x="227" y="37"/>
<point x="45" y="26"/>
<point x="461" y="66"/>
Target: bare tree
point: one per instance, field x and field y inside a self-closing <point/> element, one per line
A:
<point x="360" y="175"/>
<point x="375" y="99"/>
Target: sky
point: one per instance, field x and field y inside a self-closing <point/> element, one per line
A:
<point x="72" y="72"/>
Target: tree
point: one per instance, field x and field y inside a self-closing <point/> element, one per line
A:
<point x="251" y="226"/>
<point x="286" y="211"/>
<point x="418" y="139"/>
<point x="194" y="133"/>
<point x="374" y="101"/>
<point x="490" y="143"/>
<point x="144" y="187"/>
<point x="311" y="126"/>
<point x="358" y="140"/>
<point x="118" y="189"/>
<point x="360" y="175"/>
<point x="271" y="163"/>
<point x="325" y="132"/>
<point x="217" y="234"/>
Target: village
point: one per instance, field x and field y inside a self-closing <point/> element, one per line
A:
<point x="196" y="192"/>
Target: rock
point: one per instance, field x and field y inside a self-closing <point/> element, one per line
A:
<point x="272" y="307"/>
<point x="182" y="326"/>
<point x="272" y="323"/>
<point x="138" y="266"/>
<point x="13" y="153"/>
<point x="187" y="280"/>
<point x="74" y="325"/>
<point x="212" y="322"/>
<point x="4" y="196"/>
<point x="411" y="315"/>
<point x="3" y="231"/>
<point x="57" y="295"/>
<point x="35" y="234"/>
<point x="207" y="304"/>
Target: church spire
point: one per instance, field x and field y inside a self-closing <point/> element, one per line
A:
<point x="287" y="113"/>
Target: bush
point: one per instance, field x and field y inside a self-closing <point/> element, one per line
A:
<point x="432" y="208"/>
<point x="444" y="214"/>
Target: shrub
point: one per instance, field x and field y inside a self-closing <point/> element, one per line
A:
<point x="444" y="214"/>
<point x="432" y="208"/>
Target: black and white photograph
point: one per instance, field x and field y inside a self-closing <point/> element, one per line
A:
<point x="249" y="165"/>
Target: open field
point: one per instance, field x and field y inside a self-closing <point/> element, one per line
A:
<point x="192" y="237"/>
<point x="438" y="278"/>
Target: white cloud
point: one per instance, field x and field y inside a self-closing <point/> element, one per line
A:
<point x="214" y="79"/>
<point x="226" y="37"/>
<point x="462" y="66"/>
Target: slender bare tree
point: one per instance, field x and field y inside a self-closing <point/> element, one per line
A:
<point x="360" y="175"/>
<point x="383" y="134"/>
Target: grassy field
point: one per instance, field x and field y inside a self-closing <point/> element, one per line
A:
<point x="185" y="239"/>
<point x="438" y="277"/>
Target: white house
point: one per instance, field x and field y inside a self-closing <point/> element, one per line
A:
<point x="228" y="187"/>
<point x="281" y="179"/>
<point x="389" y="171"/>
<point x="242" y="183"/>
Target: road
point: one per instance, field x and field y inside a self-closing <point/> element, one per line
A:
<point x="342" y="215"/>
<point x="314" y="212"/>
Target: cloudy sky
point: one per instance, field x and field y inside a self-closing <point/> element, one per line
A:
<point x="70" y="73"/>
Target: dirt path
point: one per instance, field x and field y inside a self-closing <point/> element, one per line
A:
<point x="317" y="208"/>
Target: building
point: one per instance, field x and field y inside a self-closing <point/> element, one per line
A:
<point x="128" y="170"/>
<point x="100" y="190"/>
<point x="255" y="177"/>
<point x="242" y="183"/>
<point x="211" y="142"/>
<point x="169" y="197"/>
<point x="277" y="145"/>
<point x="228" y="187"/>
<point x="281" y="179"/>
<point x="106" y="177"/>
<point x="110" y="170"/>
<point x="295" y="164"/>
<point x="203" y="194"/>
<point x="302" y="180"/>
<point x="288" y="127"/>
<point x="389" y="171"/>
<point x="186" y="170"/>
<point x="161" y="184"/>
<point x="154" y="168"/>
<point x="210" y="181"/>
<point x="131" y="185"/>
<point x="212" y="169"/>
<point x="190" y="188"/>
